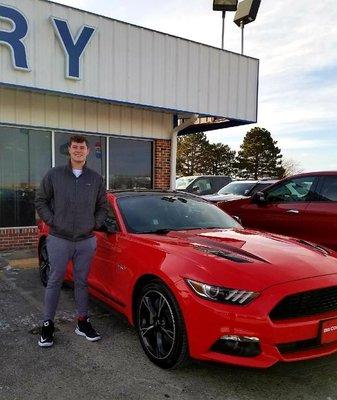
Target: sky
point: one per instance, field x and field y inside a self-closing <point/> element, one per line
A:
<point x="296" y="43"/>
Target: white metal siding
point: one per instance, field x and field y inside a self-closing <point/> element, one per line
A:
<point x="65" y="113"/>
<point x="125" y="63"/>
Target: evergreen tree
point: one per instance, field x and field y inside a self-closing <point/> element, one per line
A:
<point x="190" y="154"/>
<point x="219" y="159"/>
<point x="259" y="156"/>
<point x="196" y="156"/>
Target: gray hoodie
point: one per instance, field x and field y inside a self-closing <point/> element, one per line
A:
<point x="72" y="207"/>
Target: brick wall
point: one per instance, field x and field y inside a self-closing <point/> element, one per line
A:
<point x="162" y="164"/>
<point x="18" y="238"/>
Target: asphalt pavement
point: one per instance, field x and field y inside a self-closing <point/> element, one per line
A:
<point x="116" y="367"/>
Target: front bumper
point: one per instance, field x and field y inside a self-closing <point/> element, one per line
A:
<point x="287" y="340"/>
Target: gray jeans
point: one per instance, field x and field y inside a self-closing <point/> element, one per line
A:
<point x="60" y="252"/>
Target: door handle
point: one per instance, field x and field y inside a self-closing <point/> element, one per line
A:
<point x="292" y="211"/>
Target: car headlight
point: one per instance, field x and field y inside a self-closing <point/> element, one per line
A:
<point x="224" y="295"/>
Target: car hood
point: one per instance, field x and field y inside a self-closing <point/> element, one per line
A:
<point x="223" y="197"/>
<point x="254" y="259"/>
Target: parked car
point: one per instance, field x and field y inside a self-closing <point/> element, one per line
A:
<point x="303" y="206"/>
<point x="201" y="185"/>
<point x="238" y="190"/>
<point x="195" y="283"/>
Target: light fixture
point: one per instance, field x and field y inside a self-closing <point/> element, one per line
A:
<point x="245" y="14"/>
<point x="224" y="5"/>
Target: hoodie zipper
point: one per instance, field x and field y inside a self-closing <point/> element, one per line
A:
<point x="74" y="219"/>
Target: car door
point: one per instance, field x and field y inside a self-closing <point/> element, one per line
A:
<point x="322" y="213"/>
<point x="284" y="211"/>
<point x="102" y="274"/>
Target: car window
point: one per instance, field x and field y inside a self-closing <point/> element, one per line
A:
<point x="219" y="182"/>
<point x="150" y="213"/>
<point x="293" y="190"/>
<point x="202" y="185"/>
<point x="329" y="189"/>
<point x="111" y="212"/>
<point x="239" y="188"/>
<point x="258" y="187"/>
<point x="109" y="220"/>
<point x="183" y="182"/>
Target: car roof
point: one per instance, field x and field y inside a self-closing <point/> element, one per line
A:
<point x="204" y="176"/>
<point x="145" y="192"/>
<point x="267" y="181"/>
<point x="315" y="173"/>
<point x="254" y="181"/>
<point x="243" y="181"/>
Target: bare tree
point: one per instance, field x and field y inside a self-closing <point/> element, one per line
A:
<point x="291" y="167"/>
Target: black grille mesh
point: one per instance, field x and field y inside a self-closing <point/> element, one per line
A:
<point x="306" y="303"/>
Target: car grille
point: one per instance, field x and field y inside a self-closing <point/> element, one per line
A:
<point x="306" y="303"/>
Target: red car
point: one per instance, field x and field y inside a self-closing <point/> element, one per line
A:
<point x="195" y="283"/>
<point x="302" y="206"/>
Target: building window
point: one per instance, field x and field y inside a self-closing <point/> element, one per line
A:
<point x="130" y="163"/>
<point x="25" y="157"/>
<point x="97" y="156"/>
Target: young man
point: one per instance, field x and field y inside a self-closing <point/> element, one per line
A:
<point x="72" y="201"/>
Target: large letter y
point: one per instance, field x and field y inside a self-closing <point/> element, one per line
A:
<point x="73" y="49"/>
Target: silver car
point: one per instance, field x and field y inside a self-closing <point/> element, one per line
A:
<point x="238" y="190"/>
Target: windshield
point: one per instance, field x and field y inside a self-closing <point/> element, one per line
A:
<point x="239" y="188"/>
<point x="182" y="183"/>
<point x="152" y="213"/>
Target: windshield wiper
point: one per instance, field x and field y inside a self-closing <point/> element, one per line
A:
<point x="194" y="228"/>
<point x="171" y="199"/>
<point x="158" y="231"/>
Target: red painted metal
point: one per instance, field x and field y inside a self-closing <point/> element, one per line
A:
<point x="277" y="267"/>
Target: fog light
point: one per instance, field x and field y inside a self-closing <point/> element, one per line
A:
<point x="243" y="346"/>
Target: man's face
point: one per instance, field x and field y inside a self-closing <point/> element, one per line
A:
<point x="78" y="152"/>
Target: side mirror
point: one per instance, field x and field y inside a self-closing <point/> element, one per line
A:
<point x="196" y="189"/>
<point x="259" y="198"/>
<point x="109" y="226"/>
<point x="237" y="219"/>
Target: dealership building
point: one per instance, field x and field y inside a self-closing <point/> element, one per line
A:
<point x="129" y="89"/>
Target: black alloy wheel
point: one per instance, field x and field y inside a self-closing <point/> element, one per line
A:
<point x="44" y="266"/>
<point x="161" y="327"/>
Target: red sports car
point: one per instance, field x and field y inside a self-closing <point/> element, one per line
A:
<point x="195" y="283"/>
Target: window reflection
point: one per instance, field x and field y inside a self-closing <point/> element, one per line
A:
<point x="25" y="157"/>
<point x="96" y="159"/>
<point x="130" y="163"/>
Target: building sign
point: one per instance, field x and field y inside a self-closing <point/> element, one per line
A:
<point x="52" y="48"/>
<point x="14" y="39"/>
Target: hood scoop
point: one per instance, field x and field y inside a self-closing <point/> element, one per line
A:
<point x="222" y="254"/>
<point x="224" y="250"/>
<point x="316" y="247"/>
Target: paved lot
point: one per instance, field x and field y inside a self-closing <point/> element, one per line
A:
<point x="116" y="368"/>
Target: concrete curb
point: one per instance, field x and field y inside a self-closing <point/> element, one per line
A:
<point x="24" y="263"/>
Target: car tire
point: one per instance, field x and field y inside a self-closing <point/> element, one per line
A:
<point x="161" y="327"/>
<point x="44" y="266"/>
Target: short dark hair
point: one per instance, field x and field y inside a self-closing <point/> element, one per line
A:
<point x="78" y="139"/>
